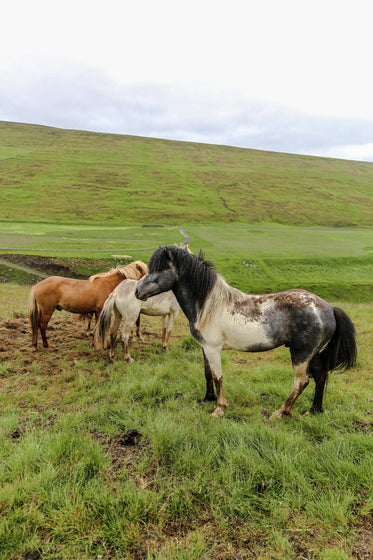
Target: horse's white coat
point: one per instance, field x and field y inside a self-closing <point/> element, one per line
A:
<point x="221" y="324"/>
<point x="235" y="332"/>
<point x="122" y="304"/>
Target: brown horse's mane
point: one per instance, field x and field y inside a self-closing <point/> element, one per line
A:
<point x="121" y="270"/>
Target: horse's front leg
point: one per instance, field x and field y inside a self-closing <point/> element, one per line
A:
<point x="89" y="322"/>
<point x="138" y="332"/>
<point x="126" y="332"/>
<point x="210" y="391"/>
<point x="167" y="324"/>
<point x="213" y="357"/>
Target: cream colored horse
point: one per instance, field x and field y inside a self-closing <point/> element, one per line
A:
<point x="122" y="305"/>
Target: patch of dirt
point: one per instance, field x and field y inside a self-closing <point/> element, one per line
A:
<point x="363" y="546"/>
<point x="124" y="450"/>
<point x="69" y="344"/>
<point x="64" y="335"/>
<point x="54" y="266"/>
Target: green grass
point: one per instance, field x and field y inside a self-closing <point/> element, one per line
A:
<point x="52" y="175"/>
<point x="335" y="263"/>
<point x="248" y="241"/>
<point x="194" y="487"/>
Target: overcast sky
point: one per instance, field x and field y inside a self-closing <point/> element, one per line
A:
<point x="283" y="75"/>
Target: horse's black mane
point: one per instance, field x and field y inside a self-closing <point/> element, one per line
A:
<point x="198" y="273"/>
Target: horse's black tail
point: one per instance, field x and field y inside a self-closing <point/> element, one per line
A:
<point x="341" y="351"/>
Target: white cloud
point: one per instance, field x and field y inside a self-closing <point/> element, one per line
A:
<point x="273" y="75"/>
<point x="359" y="152"/>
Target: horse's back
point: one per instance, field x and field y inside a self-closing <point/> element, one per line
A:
<point x="295" y="318"/>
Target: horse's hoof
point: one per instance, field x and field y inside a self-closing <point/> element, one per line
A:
<point x="129" y="360"/>
<point x="316" y="410"/>
<point x="218" y="412"/>
<point x="280" y="413"/>
<point x="207" y="400"/>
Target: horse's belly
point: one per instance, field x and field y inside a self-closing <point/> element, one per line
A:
<point x="76" y="304"/>
<point x="245" y="336"/>
<point x="250" y="338"/>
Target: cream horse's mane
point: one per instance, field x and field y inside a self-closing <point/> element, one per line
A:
<point x="222" y="294"/>
<point x="133" y="270"/>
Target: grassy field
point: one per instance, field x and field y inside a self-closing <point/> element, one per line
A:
<point x="273" y="240"/>
<point x="187" y="487"/>
<point x="335" y="263"/>
<point x="190" y="486"/>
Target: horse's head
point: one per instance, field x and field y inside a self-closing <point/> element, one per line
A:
<point x="161" y="276"/>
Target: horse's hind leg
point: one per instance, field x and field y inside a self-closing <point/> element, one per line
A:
<point x="320" y="374"/>
<point x="43" y="323"/>
<point x="301" y="381"/>
<point x="35" y="321"/>
<point x="115" y="322"/>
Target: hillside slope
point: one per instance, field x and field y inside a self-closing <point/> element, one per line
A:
<point x="49" y="174"/>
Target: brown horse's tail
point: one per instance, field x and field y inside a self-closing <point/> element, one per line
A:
<point x="103" y="323"/>
<point x="34" y="317"/>
<point x="341" y="351"/>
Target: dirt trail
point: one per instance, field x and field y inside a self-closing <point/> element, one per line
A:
<point x="24" y="268"/>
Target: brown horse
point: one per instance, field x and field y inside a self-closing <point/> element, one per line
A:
<point x="76" y="296"/>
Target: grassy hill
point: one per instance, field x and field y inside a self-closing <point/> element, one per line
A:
<point x="53" y="175"/>
<point x="190" y="487"/>
<point x="67" y="194"/>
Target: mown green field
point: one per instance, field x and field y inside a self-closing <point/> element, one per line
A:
<point x="335" y="263"/>
<point x="190" y="487"/>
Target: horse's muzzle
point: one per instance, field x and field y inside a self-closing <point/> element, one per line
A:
<point x="139" y="295"/>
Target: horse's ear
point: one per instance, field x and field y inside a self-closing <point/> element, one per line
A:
<point x="141" y="268"/>
<point x="169" y="253"/>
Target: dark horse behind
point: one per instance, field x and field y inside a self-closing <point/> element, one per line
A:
<point x="321" y="338"/>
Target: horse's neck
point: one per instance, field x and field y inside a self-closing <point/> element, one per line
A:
<point x="114" y="280"/>
<point x="190" y="298"/>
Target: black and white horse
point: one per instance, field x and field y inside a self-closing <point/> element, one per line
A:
<point x="320" y="337"/>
